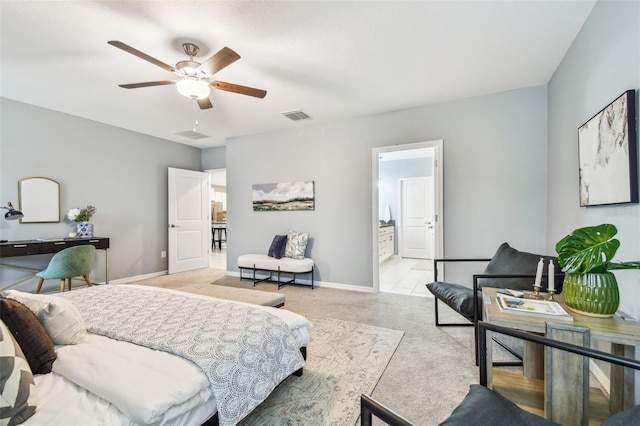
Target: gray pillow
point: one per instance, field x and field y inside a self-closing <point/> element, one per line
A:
<point x="483" y="406"/>
<point x="508" y="260"/>
<point x="624" y="418"/>
<point x="278" y="245"/>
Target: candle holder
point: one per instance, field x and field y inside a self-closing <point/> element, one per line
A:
<point x="551" y="293"/>
<point x="536" y="293"/>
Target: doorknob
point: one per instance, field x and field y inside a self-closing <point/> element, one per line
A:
<point x="174" y="226"/>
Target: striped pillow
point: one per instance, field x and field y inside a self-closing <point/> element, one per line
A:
<point x="17" y="386"/>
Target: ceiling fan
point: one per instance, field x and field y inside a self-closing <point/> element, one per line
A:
<point x="195" y="78"/>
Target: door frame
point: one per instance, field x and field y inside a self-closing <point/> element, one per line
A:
<point x="438" y="175"/>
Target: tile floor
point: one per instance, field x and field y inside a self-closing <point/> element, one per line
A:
<point x="218" y="259"/>
<point x="406" y="276"/>
<point x="397" y="275"/>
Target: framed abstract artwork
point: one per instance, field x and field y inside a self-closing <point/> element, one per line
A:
<point x="284" y="196"/>
<point x="607" y="154"/>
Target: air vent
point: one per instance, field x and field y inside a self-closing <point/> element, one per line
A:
<point x="192" y="135"/>
<point x="296" y="115"/>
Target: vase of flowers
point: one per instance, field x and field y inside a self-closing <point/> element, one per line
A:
<point x="82" y="217"/>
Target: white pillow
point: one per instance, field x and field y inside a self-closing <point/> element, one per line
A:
<point x="296" y="244"/>
<point x="61" y="320"/>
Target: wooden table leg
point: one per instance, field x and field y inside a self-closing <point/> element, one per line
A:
<point x="533" y="360"/>
<point x="622" y="381"/>
<point x="566" y="397"/>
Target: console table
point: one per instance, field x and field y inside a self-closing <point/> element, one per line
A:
<point x="624" y="336"/>
<point x="49" y="246"/>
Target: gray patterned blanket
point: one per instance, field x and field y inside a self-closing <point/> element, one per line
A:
<point x="245" y="352"/>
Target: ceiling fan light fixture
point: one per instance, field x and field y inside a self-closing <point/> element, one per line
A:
<point x="193" y="89"/>
<point x="189" y="68"/>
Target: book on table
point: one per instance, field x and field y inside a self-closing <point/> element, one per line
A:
<point x="539" y="308"/>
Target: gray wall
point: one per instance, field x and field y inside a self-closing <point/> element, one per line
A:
<point x="214" y="158"/>
<point x="602" y="63"/>
<point x="122" y="173"/>
<point x="494" y="167"/>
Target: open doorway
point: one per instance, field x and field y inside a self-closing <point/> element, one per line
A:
<point x="218" y="197"/>
<point x="407" y="216"/>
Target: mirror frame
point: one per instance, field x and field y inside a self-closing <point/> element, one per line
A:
<point x="39" y="200"/>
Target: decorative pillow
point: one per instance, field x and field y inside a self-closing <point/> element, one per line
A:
<point x="624" y="418"/>
<point x="296" y="244"/>
<point x="17" y="386"/>
<point x="508" y="260"/>
<point x="60" y="318"/>
<point x="278" y="246"/>
<point x="483" y="406"/>
<point x="30" y="335"/>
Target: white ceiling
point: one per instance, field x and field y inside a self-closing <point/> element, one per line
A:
<point x="333" y="59"/>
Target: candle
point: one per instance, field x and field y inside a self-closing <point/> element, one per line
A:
<point x="551" y="284"/>
<point x="539" y="273"/>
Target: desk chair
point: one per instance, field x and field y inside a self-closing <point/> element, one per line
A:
<point x="68" y="263"/>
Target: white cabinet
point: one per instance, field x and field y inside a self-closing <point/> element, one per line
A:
<point x="385" y="242"/>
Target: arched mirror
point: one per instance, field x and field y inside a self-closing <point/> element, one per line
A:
<point x="39" y="200"/>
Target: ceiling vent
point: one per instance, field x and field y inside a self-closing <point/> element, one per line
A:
<point x="296" y="115"/>
<point x="192" y="135"/>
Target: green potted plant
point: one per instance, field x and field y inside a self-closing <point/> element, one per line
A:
<point x="586" y="257"/>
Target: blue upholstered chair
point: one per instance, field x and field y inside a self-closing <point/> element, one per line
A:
<point x="68" y="263"/>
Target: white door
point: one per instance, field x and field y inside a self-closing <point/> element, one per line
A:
<point x="417" y="218"/>
<point x="189" y="220"/>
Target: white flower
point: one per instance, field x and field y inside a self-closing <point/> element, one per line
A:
<point x="73" y="213"/>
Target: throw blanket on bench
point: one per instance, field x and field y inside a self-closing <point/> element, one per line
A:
<point x="244" y="352"/>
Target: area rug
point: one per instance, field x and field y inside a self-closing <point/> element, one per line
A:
<point x="344" y="359"/>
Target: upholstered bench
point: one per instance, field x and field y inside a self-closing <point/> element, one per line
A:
<point x="257" y="297"/>
<point x="285" y="265"/>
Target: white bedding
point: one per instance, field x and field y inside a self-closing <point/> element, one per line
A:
<point x="170" y="385"/>
<point x="109" y="382"/>
<point x="62" y="403"/>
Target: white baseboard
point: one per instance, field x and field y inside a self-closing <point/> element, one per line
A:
<point x="348" y="287"/>
<point x="138" y="277"/>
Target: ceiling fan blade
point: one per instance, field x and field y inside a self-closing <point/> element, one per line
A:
<point x="141" y="55"/>
<point x="223" y="58"/>
<point x="146" y="84"/>
<point x="236" y="88"/>
<point x="204" y="103"/>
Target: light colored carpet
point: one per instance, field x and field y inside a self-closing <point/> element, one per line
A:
<point x="345" y="359"/>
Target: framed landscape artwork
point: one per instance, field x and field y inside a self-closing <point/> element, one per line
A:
<point x="607" y="154"/>
<point x="285" y="196"/>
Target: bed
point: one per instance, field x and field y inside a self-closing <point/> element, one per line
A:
<point x="152" y="356"/>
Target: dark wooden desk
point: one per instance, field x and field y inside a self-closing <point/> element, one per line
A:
<point x="49" y="246"/>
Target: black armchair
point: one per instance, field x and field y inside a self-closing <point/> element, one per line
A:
<point x="508" y="268"/>
<point x="487" y="407"/>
